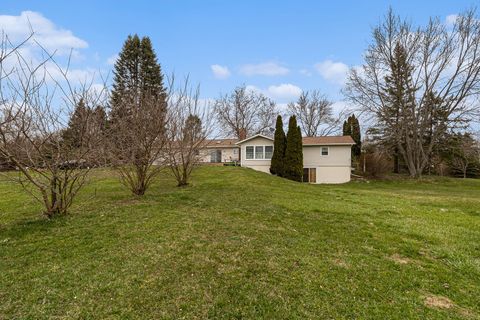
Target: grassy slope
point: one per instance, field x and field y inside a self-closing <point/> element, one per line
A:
<point x="242" y="244"/>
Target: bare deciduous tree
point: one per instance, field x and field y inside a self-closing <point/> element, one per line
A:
<point x="315" y="114"/>
<point x="245" y="112"/>
<point x="442" y="61"/>
<point x="34" y="109"/>
<point x="187" y="127"/>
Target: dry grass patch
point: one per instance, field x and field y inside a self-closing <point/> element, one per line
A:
<point x="433" y="301"/>
<point x="399" y="259"/>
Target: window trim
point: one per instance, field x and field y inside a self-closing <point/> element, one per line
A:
<point x="321" y="152"/>
<point x="255" y="154"/>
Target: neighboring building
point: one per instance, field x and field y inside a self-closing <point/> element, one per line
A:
<point x="220" y="151"/>
<point x="325" y="159"/>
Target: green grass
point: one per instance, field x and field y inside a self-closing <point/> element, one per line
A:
<point x="242" y="244"/>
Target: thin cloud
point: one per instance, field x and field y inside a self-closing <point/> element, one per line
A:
<point x="264" y="69"/>
<point x="220" y="72"/>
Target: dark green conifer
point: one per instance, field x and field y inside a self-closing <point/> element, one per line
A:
<point x="279" y="145"/>
<point x="294" y="152"/>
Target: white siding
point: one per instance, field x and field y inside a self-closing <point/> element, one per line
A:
<point x="338" y="156"/>
<point x="331" y="168"/>
<point x="334" y="168"/>
<point x="260" y="165"/>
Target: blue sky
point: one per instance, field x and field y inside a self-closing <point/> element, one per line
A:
<point x="279" y="47"/>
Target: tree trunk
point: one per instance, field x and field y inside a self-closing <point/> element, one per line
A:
<point x="396" y="165"/>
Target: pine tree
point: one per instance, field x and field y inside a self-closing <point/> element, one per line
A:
<point x="347" y="127"/>
<point x="137" y="74"/>
<point x="73" y="135"/>
<point x="399" y="94"/>
<point x="351" y="127"/>
<point x="85" y="126"/>
<point x="279" y="145"/>
<point x="294" y="152"/>
<point x="193" y="128"/>
<point x="356" y="136"/>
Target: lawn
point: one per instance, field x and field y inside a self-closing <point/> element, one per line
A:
<point x="240" y="244"/>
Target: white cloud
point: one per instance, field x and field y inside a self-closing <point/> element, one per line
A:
<point x="55" y="40"/>
<point x="220" y="72"/>
<point x="332" y="71"/>
<point x="284" y="91"/>
<point x="264" y="69"/>
<point x="451" y="19"/>
<point x="305" y="72"/>
<point x="50" y="36"/>
<point x="112" y="59"/>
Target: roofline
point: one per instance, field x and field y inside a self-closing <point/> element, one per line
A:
<point x="221" y="146"/>
<point x="329" y="144"/>
<point x="252" y="137"/>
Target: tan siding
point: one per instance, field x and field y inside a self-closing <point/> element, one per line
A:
<point x="228" y="154"/>
<point x="338" y="156"/>
<point x="333" y="174"/>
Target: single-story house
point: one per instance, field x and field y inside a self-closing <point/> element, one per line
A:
<point x="325" y="159"/>
<point x="220" y="151"/>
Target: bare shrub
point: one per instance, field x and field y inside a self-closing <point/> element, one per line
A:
<point x="35" y="107"/>
<point x="377" y="164"/>
<point x="136" y="142"/>
<point x="187" y="127"/>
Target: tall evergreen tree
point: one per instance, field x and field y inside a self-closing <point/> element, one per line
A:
<point x="351" y="127"/>
<point x="137" y="75"/>
<point x="85" y="126"/>
<point x="73" y="135"/>
<point x="356" y="136"/>
<point x="347" y="127"/>
<point x="294" y="152"/>
<point x="193" y="128"/>
<point x="279" y="145"/>
<point x="399" y="93"/>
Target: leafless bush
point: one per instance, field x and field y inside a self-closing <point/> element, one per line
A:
<point x="188" y="124"/>
<point x="377" y="164"/>
<point x="34" y="109"/>
<point x="136" y="141"/>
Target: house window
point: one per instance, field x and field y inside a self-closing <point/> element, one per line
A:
<point x="324" y="151"/>
<point x="249" y="152"/>
<point x="235" y="151"/>
<point x="268" y="152"/>
<point x="258" y="152"/>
